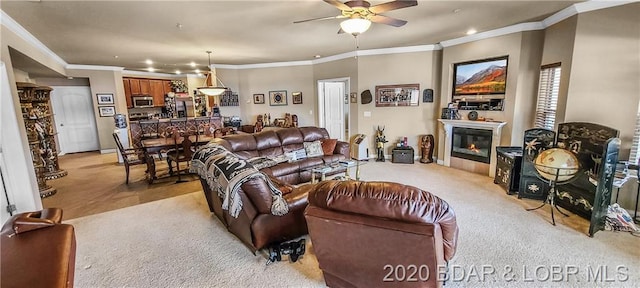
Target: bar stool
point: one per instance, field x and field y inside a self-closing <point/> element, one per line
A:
<point x="149" y="128"/>
<point x="180" y="123"/>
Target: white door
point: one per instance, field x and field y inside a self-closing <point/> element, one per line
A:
<point x="74" y="116"/>
<point x="334" y="93"/>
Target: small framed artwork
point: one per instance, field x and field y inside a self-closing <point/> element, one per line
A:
<point x="296" y="97"/>
<point x="278" y="98"/>
<point x="258" y="98"/>
<point x="354" y="97"/>
<point x="105" y="98"/>
<point x="107" y="111"/>
<point x="427" y="96"/>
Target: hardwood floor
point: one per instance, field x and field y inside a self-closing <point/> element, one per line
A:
<point x="96" y="184"/>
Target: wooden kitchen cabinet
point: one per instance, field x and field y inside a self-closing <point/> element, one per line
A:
<point x="145" y="86"/>
<point x="167" y="86"/>
<point x="127" y="92"/>
<point x="157" y="92"/>
<point x="134" y="84"/>
<point x="156" y="88"/>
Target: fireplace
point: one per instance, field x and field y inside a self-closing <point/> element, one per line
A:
<point x="471" y="144"/>
<point x="491" y="131"/>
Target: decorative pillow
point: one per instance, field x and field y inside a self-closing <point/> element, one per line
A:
<point x="301" y="154"/>
<point x="313" y="148"/>
<point x="328" y="145"/>
<point x="291" y="156"/>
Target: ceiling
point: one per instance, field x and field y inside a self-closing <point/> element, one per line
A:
<point x="176" y="33"/>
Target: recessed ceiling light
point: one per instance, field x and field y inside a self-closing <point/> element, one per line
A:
<point x="150" y="69"/>
<point x="178" y="72"/>
<point x="193" y="64"/>
<point x="179" y="26"/>
<point x="149" y="62"/>
<point x="116" y="56"/>
<point x="456" y="10"/>
<point x="471" y="31"/>
<point x="197" y="71"/>
<point x="317" y="56"/>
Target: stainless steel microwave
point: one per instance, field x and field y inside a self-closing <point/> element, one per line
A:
<point x="142" y="101"/>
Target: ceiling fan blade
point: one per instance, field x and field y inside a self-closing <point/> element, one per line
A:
<point x="388" y="20"/>
<point x="384" y="7"/>
<point x="338" y="5"/>
<point x="320" y="18"/>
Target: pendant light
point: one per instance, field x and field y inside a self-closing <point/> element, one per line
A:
<point x="210" y="89"/>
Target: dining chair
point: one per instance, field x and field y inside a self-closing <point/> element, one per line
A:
<point x="182" y="151"/>
<point x="130" y="156"/>
<point x="150" y="128"/>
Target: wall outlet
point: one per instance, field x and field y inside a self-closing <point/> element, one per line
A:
<point x="367" y="113"/>
<point x="310" y="112"/>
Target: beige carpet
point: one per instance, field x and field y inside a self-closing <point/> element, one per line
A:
<point x="176" y="242"/>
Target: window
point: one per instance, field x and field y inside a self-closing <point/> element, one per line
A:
<point x="635" y="144"/>
<point x="548" y="90"/>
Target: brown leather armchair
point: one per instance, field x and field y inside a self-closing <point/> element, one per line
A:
<point x="37" y="251"/>
<point x="362" y="231"/>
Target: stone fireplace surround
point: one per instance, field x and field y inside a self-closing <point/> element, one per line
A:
<point x="495" y="127"/>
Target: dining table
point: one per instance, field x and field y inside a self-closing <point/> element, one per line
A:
<point x="154" y="145"/>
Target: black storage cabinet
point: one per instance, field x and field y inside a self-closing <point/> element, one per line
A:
<point x="402" y="155"/>
<point x="508" y="165"/>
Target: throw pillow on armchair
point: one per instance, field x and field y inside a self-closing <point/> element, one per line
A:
<point x="328" y="145"/>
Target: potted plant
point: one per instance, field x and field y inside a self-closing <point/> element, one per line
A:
<point x="179" y="86"/>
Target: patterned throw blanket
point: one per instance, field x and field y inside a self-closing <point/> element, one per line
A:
<point x="225" y="173"/>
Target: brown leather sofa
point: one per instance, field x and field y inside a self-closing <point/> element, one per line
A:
<point x="255" y="226"/>
<point x="37" y="251"/>
<point x="362" y="232"/>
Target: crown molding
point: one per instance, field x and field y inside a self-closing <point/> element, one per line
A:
<point x="263" y="65"/>
<point x="530" y="26"/>
<point x="335" y="57"/>
<point x="93" y="67"/>
<point x="17" y="29"/>
<point x="151" y="74"/>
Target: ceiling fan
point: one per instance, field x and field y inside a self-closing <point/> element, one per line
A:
<point x="360" y="14"/>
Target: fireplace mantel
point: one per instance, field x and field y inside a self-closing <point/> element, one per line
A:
<point x="495" y="127"/>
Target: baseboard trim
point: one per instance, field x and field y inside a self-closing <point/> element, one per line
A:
<point x="107" y="151"/>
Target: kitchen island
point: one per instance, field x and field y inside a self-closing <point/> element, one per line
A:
<point x="191" y="123"/>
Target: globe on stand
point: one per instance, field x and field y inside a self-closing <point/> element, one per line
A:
<point x="555" y="165"/>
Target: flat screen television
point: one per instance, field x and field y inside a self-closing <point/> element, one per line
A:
<point x="480" y="77"/>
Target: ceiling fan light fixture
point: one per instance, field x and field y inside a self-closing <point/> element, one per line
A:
<point x="209" y="89"/>
<point x="355" y="26"/>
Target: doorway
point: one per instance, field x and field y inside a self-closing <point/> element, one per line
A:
<point x="333" y="107"/>
<point x="75" y="119"/>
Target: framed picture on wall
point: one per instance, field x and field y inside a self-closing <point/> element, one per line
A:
<point x="296" y="97"/>
<point x="278" y="98"/>
<point x="258" y="98"/>
<point x="105" y="98"/>
<point x="397" y="95"/>
<point x="354" y="97"/>
<point x="107" y="111"/>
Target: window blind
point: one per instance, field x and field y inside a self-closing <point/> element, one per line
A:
<point x="548" y="90"/>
